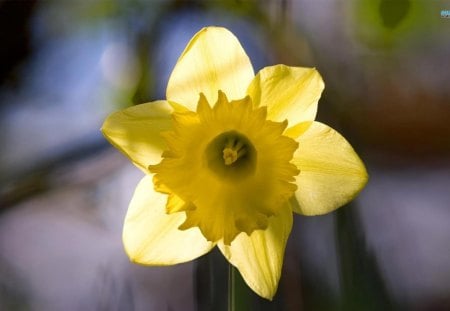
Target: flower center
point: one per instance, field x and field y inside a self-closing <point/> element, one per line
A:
<point x="231" y="156"/>
<point x="227" y="167"/>
<point x="233" y="150"/>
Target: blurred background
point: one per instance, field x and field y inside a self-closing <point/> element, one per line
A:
<point x="64" y="191"/>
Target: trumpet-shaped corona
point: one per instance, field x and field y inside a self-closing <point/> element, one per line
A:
<point x="230" y="165"/>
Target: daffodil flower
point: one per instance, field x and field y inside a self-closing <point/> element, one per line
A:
<point x="228" y="156"/>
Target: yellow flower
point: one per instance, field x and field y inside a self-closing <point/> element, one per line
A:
<point x="228" y="157"/>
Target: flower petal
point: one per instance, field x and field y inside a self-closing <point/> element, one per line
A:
<point x="136" y="132"/>
<point x="213" y="60"/>
<point x="152" y="237"/>
<point x="331" y="173"/>
<point x="259" y="257"/>
<point x="289" y="93"/>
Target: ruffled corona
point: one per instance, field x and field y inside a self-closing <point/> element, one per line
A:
<point x="227" y="167"/>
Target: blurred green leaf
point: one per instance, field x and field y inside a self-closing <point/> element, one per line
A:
<point x="392" y="12"/>
<point x="394" y="23"/>
<point x="363" y="287"/>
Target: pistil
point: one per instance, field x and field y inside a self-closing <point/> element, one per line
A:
<point x="234" y="149"/>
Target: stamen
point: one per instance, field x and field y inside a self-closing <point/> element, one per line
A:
<point x="229" y="155"/>
<point x="234" y="149"/>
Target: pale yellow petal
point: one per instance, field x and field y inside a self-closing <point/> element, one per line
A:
<point x="136" y="131"/>
<point x="331" y="173"/>
<point x="213" y="60"/>
<point x="259" y="257"/>
<point x="152" y="237"/>
<point x="289" y="93"/>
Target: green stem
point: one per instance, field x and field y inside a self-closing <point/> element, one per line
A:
<point x="231" y="288"/>
<point x="239" y="294"/>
